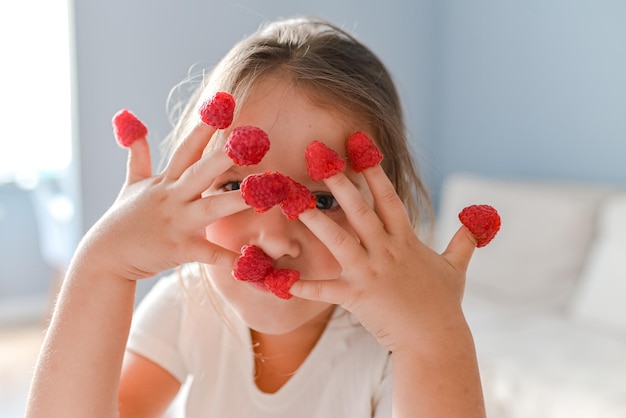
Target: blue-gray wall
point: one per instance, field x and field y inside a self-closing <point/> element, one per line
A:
<point x="533" y="89"/>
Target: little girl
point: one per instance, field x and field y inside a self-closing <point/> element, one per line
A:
<point x="374" y="327"/>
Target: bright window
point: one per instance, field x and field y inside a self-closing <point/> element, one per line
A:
<point x="35" y="107"/>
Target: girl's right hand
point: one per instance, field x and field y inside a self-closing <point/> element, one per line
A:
<point x="158" y="222"/>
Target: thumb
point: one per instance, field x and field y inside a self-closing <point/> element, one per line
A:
<point x="139" y="165"/>
<point x="460" y="249"/>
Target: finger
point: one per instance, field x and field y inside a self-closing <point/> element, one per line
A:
<point x="387" y="203"/>
<point x="342" y="244"/>
<point x="205" y="211"/>
<point x="206" y="252"/>
<point x="360" y="214"/>
<point x="189" y="150"/>
<point x="329" y="291"/>
<point x="139" y="164"/>
<point x="199" y="176"/>
<point x="460" y="249"/>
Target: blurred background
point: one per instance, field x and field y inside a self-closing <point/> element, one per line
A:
<point x="531" y="89"/>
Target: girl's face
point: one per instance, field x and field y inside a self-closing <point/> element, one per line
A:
<point x="292" y="122"/>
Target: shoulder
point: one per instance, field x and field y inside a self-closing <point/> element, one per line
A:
<point x="358" y="346"/>
<point x="175" y="322"/>
<point x="164" y="312"/>
<point x="346" y="325"/>
<point x="177" y="288"/>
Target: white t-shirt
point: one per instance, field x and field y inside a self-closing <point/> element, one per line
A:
<point x="347" y="374"/>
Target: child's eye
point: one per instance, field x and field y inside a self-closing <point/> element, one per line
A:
<point x="326" y="202"/>
<point x="231" y="185"/>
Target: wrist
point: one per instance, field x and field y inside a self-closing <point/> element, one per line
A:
<point x="430" y="334"/>
<point x="458" y="338"/>
<point x="97" y="258"/>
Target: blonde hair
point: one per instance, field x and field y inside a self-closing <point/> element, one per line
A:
<point x="334" y="69"/>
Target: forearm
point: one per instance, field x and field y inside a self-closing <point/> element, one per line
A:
<point x="79" y="366"/>
<point x="438" y="378"/>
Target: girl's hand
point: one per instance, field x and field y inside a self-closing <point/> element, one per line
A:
<point x="400" y="289"/>
<point x="157" y="222"/>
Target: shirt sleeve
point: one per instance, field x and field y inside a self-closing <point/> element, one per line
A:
<point x="156" y="327"/>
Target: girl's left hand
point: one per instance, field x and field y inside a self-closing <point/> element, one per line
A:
<point x="400" y="289"/>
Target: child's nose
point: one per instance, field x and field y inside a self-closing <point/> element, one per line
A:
<point x="276" y="234"/>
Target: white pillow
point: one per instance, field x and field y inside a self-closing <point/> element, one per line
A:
<point x="601" y="297"/>
<point x="539" y="251"/>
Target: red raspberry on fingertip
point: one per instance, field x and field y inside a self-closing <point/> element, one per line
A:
<point x="483" y="221"/>
<point x="253" y="265"/>
<point x="218" y="110"/>
<point x="265" y="190"/>
<point x="298" y="198"/>
<point x="127" y="128"/>
<point x="247" y="145"/>
<point x="279" y="281"/>
<point x="322" y="162"/>
<point x="362" y="152"/>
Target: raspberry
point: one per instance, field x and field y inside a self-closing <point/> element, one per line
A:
<point x="218" y="110"/>
<point x="362" y="152"/>
<point x="279" y="281"/>
<point x="322" y="162"/>
<point x="246" y="145"/>
<point x="297" y="199"/>
<point x="483" y="221"/>
<point x="263" y="191"/>
<point x="253" y="264"/>
<point x="127" y="128"/>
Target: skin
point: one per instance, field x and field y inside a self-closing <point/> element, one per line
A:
<point x="367" y="260"/>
